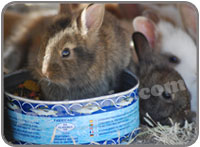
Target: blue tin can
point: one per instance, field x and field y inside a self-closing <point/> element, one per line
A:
<point x="110" y="119"/>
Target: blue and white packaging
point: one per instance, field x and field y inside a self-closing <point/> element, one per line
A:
<point x="110" y="119"/>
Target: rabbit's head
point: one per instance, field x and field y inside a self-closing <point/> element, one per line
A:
<point x="66" y="48"/>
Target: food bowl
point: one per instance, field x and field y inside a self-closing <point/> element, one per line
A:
<point x="110" y="119"/>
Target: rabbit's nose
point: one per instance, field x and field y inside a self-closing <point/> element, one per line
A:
<point x="44" y="71"/>
<point x="51" y="70"/>
<point x="46" y="74"/>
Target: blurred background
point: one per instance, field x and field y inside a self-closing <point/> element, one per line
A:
<point x="183" y="15"/>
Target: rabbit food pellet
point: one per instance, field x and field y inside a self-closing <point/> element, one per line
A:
<point x="28" y="89"/>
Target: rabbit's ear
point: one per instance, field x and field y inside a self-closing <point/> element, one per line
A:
<point x="141" y="45"/>
<point x="189" y="17"/>
<point x="65" y="9"/>
<point x="91" y="18"/>
<point x="146" y="27"/>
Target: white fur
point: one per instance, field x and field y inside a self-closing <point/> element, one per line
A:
<point x="177" y="42"/>
<point x="46" y="60"/>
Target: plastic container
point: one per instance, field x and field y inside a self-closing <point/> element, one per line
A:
<point x="110" y="119"/>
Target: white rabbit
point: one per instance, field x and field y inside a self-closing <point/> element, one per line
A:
<point x="179" y="44"/>
<point x="176" y="43"/>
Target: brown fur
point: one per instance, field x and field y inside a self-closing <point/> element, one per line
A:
<point x="10" y="21"/>
<point x="26" y="38"/>
<point x="153" y="69"/>
<point x="94" y="66"/>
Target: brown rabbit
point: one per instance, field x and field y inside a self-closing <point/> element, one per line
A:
<point x="153" y="70"/>
<point x="82" y="54"/>
<point x="27" y="35"/>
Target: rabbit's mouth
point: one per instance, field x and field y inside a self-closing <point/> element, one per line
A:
<point x="50" y="77"/>
<point x="58" y="81"/>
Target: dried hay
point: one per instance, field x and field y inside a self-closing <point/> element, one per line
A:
<point x="168" y="135"/>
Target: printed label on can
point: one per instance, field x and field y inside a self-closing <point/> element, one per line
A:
<point x="75" y="130"/>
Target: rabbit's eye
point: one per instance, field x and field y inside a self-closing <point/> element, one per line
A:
<point x="65" y="53"/>
<point x="173" y="59"/>
<point x="166" y="95"/>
